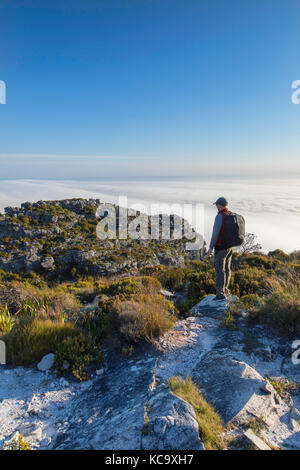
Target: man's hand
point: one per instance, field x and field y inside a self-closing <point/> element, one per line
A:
<point x="209" y="252"/>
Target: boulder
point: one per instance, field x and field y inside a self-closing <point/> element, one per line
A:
<point x="48" y="263"/>
<point x="46" y="363"/>
<point x="170" y="424"/>
<point x="236" y="390"/>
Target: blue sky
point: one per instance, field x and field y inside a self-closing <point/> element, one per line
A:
<point x="149" y="87"/>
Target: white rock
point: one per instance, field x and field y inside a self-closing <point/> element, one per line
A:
<point x="46" y="363"/>
<point x="64" y="382"/>
<point x="86" y="385"/>
<point x="257" y="441"/>
<point x="46" y="442"/>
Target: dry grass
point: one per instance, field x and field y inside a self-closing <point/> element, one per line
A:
<point x="45" y="303"/>
<point x="145" y="318"/>
<point x="211" y="428"/>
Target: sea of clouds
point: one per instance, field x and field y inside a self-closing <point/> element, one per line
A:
<point x="271" y="207"/>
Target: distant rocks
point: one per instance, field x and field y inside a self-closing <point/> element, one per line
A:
<point x="48" y="263"/>
<point x="76" y="257"/>
<point x="170" y="259"/>
<point x="58" y="238"/>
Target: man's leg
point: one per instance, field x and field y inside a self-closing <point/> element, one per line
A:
<point x="219" y="262"/>
<point x="228" y="260"/>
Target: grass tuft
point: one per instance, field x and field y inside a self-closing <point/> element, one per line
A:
<point x="211" y="428"/>
<point x="31" y="338"/>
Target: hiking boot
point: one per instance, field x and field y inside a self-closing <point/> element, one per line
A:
<point x="219" y="297"/>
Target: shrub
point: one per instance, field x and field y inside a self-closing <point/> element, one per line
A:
<point x="17" y="443"/>
<point x="129" y="286"/>
<point x="279" y="310"/>
<point x="154" y="270"/>
<point x="172" y="278"/>
<point x="248" y="280"/>
<point x="283" y="386"/>
<point x="211" y="428"/>
<point x="142" y="319"/>
<point x="60" y="302"/>
<point x="77" y="351"/>
<point x="31" y="338"/>
<point x="200" y="283"/>
<point x="245" y="303"/>
<point x="49" y="304"/>
<point x="261" y="261"/>
<point x="92" y="320"/>
<point x="279" y="254"/>
<point x="256" y="424"/>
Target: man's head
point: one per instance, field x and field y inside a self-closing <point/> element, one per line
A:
<point x="221" y="203"/>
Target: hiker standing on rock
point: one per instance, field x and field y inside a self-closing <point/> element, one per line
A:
<point x="228" y="231"/>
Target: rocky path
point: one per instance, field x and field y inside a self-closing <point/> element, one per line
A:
<point x="129" y="406"/>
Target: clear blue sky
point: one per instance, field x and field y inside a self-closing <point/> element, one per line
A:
<point x="149" y="87"/>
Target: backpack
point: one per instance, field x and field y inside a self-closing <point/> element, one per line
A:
<point x="234" y="235"/>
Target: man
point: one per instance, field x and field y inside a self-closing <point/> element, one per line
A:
<point x="223" y="255"/>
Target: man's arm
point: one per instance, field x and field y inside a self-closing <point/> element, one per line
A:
<point x="216" y="231"/>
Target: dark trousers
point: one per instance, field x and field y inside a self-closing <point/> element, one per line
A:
<point x="222" y="262"/>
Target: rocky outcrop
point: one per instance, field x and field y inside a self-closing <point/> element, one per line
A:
<point x="58" y="238"/>
<point x="171" y="423"/>
<point x="238" y="399"/>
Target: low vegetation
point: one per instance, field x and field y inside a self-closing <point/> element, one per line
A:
<point x="54" y="319"/>
<point x="6" y="320"/>
<point x="31" y="338"/>
<point x="283" y="386"/>
<point x="279" y="310"/>
<point x="18" y="443"/>
<point x="144" y="318"/>
<point x="45" y="311"/>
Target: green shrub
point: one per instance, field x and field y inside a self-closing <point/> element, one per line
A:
<point x="279" y="254"/>
<point x="248" y="280"/>
<point x="31" y="338"/>
<point x="279" y="310"/>
<point x="261" y="261"/>
<point x="93" y="321"/>
<point x="131" y="286"/>
<point x="17" y="443"/>
<point x="200" y="283"/>
<point x="155" y="271"/>
<point x="172" y="278"/>
<point x="77" y="352"/>
<point x="283" y="386"/>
